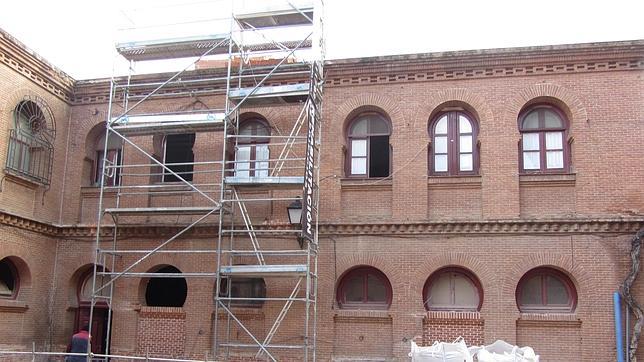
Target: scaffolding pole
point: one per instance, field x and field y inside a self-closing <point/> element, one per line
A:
<point x="266" y="249"/>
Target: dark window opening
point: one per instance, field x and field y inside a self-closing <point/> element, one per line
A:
<point x="364" y="288"/>
<point x="179" y="156"/>
<point x="379" y="151"/>
<point x="113" y="157"/>
<point x="166" y="291"/>
<point x="8" y="279"/>
<point x="368" y="146"/>
<point x="252" y="288"/>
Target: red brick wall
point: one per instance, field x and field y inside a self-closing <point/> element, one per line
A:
<point x="362" y="335"/>
<point x="161" y="331"/>
<point x="556" y="340"/>
<point x="478" y="215"/>
<point x="448" y="326"/>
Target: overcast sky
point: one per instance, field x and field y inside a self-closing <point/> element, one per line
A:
<point x="78" y="36"/>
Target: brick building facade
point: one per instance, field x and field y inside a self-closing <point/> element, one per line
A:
<point x="512" y="187"/>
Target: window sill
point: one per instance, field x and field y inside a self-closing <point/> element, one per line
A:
<point x="170" y="186"/>
<point x="547" y="179"/>
<point x="22" y="180"/>
<point x="549" y="319"/>
<point x="366" y="184"/>
<point x="472" y="181"/>
<point x="362" y="315"/>
<point x="95" y="191"/>
<point x="13" y="306"/>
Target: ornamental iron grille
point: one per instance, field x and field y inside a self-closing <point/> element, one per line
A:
<point x="31" y="142"/>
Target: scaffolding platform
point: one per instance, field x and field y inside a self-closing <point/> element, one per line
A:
<point x="276" y="18"/>
<point x="281" y="94"/>
<point x="286" y="182"/>
<point x="145" y="211"/>
<point x="289" y="270"/>
<point x="139" y="125"/>
<point x="157" y="49"/>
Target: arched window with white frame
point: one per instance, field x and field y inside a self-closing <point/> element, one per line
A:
<point x="252" y="152"/>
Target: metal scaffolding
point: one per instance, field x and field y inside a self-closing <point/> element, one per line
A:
<point x="286" y="37"/>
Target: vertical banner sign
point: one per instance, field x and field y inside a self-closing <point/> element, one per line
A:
<point x="309" y="186"/>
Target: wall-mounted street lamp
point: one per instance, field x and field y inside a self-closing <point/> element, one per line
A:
<point x="294" y="210"/>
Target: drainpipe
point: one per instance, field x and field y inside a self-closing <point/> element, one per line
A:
<point x="619" y="339"/>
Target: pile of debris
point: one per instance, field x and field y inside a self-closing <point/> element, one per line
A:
<point x="457" y="351"/>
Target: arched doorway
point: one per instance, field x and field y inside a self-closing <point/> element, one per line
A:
<point x="101" y="314"/>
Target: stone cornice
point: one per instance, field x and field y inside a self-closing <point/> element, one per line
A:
<point x="507" y="62"/>
<point x="617" y="225"/>
<point x="23" y="60"/>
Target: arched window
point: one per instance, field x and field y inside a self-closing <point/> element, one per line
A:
<point x="453" y="150"/>
<point x="244" y="292"/>
<point x="368" y="146"/>
<point x="113" y="154"/>
<point x="252" y="152"/>
<point x="364" y="288"/>
<point x="544" y="290"/>
<point x="86" y="284"/>
<point x="543" y="140"/>
<point x="178" y="156"/>
<point x="166" y="291"/>
<point x="453" y="289"/>
<point x="9" y="282"/>
<point x="31" y="149"/>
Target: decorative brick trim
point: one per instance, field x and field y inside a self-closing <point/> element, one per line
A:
<point x="475" y="265"/>
<point x="368" y="102"/>
<point x="162" y="312"/>
<point x="485" y="72"/>
<point x="362" y="316"/>
<point x="348" y="261"/>
<point x="504" y="227"/>
<point x="479" y="105"/>
<point x="567" y="99"/>
<point x="18" y="57"/>
<point x="450" y="315"/>
<point x="463" y="227"/>
<point x="28" y="224"/>
<point x="548" y="320"/>
<point x="13" y="306"/>
<point x="579" y="276"/>
<point x="547" y="180"/>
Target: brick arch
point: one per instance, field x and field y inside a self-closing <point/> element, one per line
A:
<point x="368" y="102"/>
<point x="474" y="264"/>
<point x="272" y="115"/>
<point x="18" y="95"/>
<point x="563" y="97"/>
<point x="23" y="271"/>
<point x="479" y="106"/>
<point x="76" y="278"/>
<point x="395" y="275"/>
<point x="577" y="274"/>
<point x="12" y="99"/>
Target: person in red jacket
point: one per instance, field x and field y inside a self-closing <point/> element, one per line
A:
<point x="79" y="344"/>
